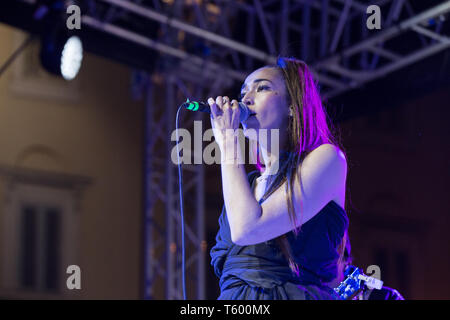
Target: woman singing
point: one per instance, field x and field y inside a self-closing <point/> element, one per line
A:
<point x="281" y="226"/>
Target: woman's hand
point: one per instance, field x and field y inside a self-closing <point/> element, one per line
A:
<point x="224" y="121"/>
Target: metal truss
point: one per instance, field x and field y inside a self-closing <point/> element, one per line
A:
<point x="330" y="35"/>
<point x="425" y="26"/>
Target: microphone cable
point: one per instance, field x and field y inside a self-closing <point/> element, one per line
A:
<point x="180" y="191"/>
<point x="194" y="106"/>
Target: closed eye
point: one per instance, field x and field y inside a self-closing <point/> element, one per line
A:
<point x="260" y="88"/>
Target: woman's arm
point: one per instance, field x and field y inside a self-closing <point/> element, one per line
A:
<point x="240" y="203"/>
<point x="323" y="174"/>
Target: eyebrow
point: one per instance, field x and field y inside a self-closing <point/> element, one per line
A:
<point x="256" y="81"/>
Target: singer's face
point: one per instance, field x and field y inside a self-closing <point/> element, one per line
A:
<point x="265" y="94"/>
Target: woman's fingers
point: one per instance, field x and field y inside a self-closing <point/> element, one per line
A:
<point x="226" y="101"/>
<point x="219" y="101"/>
<point x="226" y="108"/>
<point x="222" y="105"/>
<point x="236" y="111"/>
<point x="214" y="108"/>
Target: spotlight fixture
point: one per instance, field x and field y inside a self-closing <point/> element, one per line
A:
<point x="61" y="49"/>
<point x="71" y="58"/>
<point x="62" y="56"/>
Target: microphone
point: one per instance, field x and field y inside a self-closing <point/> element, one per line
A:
<point x="204" y="107"/>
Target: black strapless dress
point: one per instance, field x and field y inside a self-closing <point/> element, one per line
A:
<point x="261" y="271"/>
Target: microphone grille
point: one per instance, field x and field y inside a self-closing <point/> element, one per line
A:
<point x="244" y="112"/>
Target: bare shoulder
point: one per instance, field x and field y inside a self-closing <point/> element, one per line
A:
<point x="326" y="154"/>
<point x="326" y="166"/>
<point x="320" y="179"/>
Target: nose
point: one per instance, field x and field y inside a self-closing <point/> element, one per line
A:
<point x="247" y="100"/>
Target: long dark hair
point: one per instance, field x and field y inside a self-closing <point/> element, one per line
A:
<point x="309" y="127"/>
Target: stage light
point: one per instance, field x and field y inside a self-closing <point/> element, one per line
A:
<point x="71" y="58"/>
<point x="61" y="49"/>
<point x="62" y="55"/>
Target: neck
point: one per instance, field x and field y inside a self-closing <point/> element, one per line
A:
<point x="271" y="157"/>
